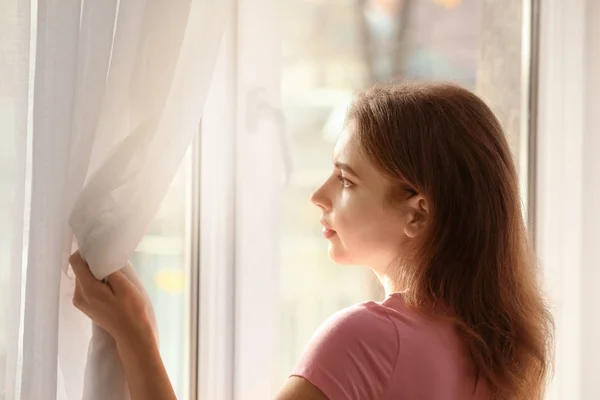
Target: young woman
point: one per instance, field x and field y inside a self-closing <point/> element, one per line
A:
<point x="424" y="191"/>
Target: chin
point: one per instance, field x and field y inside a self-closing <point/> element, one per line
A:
<point x="340" y="256"/>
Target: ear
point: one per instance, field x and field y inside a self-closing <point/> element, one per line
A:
<point x="417" y="215"/>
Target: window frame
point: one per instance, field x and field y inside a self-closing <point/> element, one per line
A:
<point x="259" y="180"/>
<point x="212" y="313"/>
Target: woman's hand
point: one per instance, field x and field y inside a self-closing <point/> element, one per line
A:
<point x="120" y="309"/>
<point x="117" y="305"/>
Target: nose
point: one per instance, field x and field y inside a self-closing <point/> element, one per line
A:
<point x="320" y="199"/>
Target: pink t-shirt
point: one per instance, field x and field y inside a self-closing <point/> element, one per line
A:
<point x="386" y="351"/>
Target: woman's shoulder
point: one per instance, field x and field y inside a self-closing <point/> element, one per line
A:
<point x="376" y="350"/>
<point x="361" y="319"/>
<point x="385" y="323"/>
<point x="353" y="354"/>
<point x="393" y="333"/>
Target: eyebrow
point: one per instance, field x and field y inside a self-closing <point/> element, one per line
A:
<point x="346" y="168"/>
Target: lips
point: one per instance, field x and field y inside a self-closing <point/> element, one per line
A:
<point x="326" y="230"/>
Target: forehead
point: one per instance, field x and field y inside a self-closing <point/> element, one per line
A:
<point x="347" y="147"/>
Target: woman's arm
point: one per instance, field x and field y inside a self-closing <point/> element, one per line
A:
<point x="298" y="388"/>
<point x="144" y="369"/>
<point x="120" y="309"/>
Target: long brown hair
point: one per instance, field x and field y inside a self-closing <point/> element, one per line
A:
<point x="443" y="142"/>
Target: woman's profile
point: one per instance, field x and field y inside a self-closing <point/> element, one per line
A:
<point x="424" y="192"/>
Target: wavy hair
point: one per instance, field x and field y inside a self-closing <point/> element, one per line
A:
<point x="443" y="142"/>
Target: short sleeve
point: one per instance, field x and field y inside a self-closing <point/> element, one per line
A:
<point x="353" y="354"/>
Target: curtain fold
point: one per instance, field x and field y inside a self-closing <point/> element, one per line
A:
<point x="14" y="104"/>
<point x="118" y="94"/>
<point x="53" y="187"/>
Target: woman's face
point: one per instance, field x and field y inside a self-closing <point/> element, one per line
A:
<point x="362" y="225"/>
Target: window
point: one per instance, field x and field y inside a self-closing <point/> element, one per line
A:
<point x="163" y="262"/>
<point x="329" y="51"/>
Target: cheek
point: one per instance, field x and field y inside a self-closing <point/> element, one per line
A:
<point x="365" y="232"/>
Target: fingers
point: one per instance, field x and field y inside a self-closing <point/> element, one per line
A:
<point x="86" y="282"/>
<point x="119" y="283"/>
<point x="81" y="269"/>
<point x="79" y="299"/>
<point x="127" y="294"/>
<point x="109" y="305"/>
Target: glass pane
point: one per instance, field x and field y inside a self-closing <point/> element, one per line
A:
<point x="162" y="260"/>
<point x="330" y="50"/>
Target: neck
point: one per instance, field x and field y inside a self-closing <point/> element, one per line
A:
<point x="389" y="284"/>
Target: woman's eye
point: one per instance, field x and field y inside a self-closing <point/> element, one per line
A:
<point x="345" y="182"/>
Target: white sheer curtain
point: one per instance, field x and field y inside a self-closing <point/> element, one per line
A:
<point x="14" y="100"/>
<point x="568" y="192"/>
<point x="118" y="94"/>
